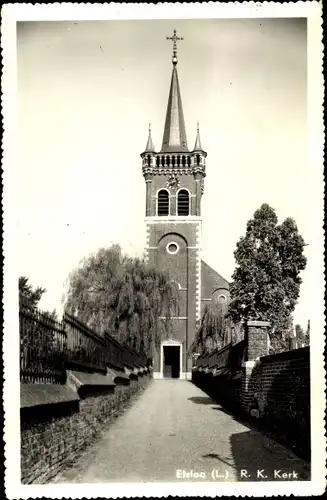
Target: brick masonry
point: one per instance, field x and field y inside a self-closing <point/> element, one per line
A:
<point x="257" y="343"/>
<point x="184" y="269"/>
<point x="53" y="437"/>
<point x="279" y="388"/>
<point x="212" y="285"/>
<point x="272" y="391"/>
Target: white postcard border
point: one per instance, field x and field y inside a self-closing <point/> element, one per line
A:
<point x="18" y="12"/>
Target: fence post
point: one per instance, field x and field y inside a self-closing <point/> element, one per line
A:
<point x="257" y="345"/>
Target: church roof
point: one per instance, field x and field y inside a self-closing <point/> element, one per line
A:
<point x="149" y="148"/>
<point x="211" y="280"/>
<point x="197" y="146"/>
<point x="174" y="136"/>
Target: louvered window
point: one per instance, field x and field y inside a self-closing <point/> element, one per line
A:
<point x="163" y="202"/>
<point x="183" y="202"/>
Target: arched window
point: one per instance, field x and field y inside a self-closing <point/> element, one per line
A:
<point x="183" y="204"/>
<point x="163" y="202"/>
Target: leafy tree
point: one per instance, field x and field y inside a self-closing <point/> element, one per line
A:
<point x="280" y="341"/>
<point x="31" y="296"/>
<point x="266" y="281"/>
<point x="122" y="295"/>
<point x="303" y="337"/>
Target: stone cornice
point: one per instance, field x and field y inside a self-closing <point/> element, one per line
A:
<point x="169" y="171"/>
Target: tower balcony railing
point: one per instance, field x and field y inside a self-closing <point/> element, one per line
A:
<point x="178" y="161"/>
<point x="171" y="161"/>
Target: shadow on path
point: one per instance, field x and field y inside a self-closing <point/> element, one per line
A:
<point x="237" y="416"/>
<point x="179" y="427"/>
<point x="200" y="400"/>
<point x="207" y="400"/>
<point x="258" y="458"/>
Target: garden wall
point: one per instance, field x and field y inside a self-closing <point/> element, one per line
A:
<point x="220" y="375"/>
<point x="58" y="422"/>
<point x="279" y="394"/>
<point x="271" y="391"/>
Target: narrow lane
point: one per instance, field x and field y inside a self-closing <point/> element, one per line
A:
<point x="175" y="429"/>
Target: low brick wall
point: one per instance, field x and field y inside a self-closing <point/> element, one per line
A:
<point x="219" y="374"/>
<point x="225" y="388"/>
<point x="279" y="389"/>
<point x="53" y="435"/>
<point x="273" y="392"/>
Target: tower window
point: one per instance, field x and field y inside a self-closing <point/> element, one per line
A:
<point x="163" y="202"/>
<point x="183" y="204"/>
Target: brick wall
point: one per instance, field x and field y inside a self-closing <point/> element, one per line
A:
<point x="257" y="343"/>
<point x="184" y="268"/>
<point x="53" y="436"/>
<point x="272" y="391"/>
<point x="225" y="389"/>
<point x="279" y="389"/>
<point x="221" y="377"/>
<point x="211" y="281"/>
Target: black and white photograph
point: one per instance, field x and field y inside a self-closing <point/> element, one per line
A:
<point x="163" y="238"/>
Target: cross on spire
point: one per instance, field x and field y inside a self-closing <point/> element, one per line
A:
<point x="174" y="39"/>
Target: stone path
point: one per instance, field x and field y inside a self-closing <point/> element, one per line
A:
<point x="175" y="429"/>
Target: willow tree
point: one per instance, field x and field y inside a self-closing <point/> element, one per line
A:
<point x="215" y="329"/>
<point x="112" y="292"/>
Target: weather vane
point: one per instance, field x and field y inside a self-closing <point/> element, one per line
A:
<point x="174" y="39"/>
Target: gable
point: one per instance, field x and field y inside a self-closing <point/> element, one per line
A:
<point x="211" y="281"/>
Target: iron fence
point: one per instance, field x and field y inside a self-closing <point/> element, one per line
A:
<point x="42" y="341"/>
<point x="84" y="348"/>
<point x="49" y="347"/>
<point x="231" y="357"/>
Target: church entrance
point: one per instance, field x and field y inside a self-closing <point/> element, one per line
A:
<point x="171" y="361"/>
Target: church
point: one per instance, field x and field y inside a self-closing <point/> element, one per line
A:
<point x="174" y="179"/>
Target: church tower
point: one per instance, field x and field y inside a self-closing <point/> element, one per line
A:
<point x="174" y="179"/>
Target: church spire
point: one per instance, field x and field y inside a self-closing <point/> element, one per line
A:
<point x="197" y="146"/>
<point x="149" y="148"/>
<point x="174" y="137"/>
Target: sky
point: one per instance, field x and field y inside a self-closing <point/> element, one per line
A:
<point x="87" y="91"/>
